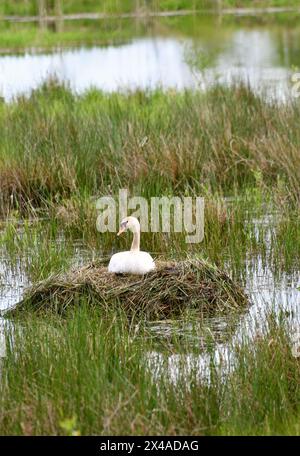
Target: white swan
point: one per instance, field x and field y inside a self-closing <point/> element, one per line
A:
<point x="133" y="261"/>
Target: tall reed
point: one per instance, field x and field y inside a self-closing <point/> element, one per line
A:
<point x="56" y="144"/>
<point x="95" y="374"/>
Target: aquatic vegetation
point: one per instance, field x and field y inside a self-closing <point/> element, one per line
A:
<point x="40" y="246"/>
<point x="56" y="144"/>
<point x="83" y="369"/>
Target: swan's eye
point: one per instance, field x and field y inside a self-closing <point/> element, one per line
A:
<point x="124" y="224"/>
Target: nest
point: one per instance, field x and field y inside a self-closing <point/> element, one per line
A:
<point x="171" y="288"/>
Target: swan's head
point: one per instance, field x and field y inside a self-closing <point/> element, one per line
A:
<point x="129" y="223"/>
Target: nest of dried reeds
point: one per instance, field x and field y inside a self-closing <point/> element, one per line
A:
<point x="171" y="288"/>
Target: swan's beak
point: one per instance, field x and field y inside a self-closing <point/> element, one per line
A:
<point x="121" y="230"/>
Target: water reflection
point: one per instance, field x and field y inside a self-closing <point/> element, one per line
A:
<point x="13" y="281"/>
<point x="261" y="57"/>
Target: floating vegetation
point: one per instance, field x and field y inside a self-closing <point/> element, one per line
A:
<point x="170" y="289"/>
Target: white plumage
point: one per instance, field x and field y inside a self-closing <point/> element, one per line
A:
<point x="133" y="261"/>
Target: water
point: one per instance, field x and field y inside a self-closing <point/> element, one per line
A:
<point x="264" y="56"/>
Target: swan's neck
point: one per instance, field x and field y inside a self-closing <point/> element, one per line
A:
<point x="135" y="246"/>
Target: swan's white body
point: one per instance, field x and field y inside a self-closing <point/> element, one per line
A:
<point x="133" y="261"/>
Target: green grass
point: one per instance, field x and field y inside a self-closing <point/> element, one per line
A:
<point x="56" y="145"/>
<point x="91" y="374"/>
<point x="30" y="7"/>
<point x="18" y="37"/>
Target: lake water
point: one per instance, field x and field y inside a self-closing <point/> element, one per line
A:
<point x="263" y="55"/>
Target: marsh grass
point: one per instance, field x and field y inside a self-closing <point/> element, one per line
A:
<point x="41" y="248"/>
<point x="56" y="144"/>
<point x="90" y="374"/>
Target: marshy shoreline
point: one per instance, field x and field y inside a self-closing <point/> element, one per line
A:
<point x="152" y="14"/>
